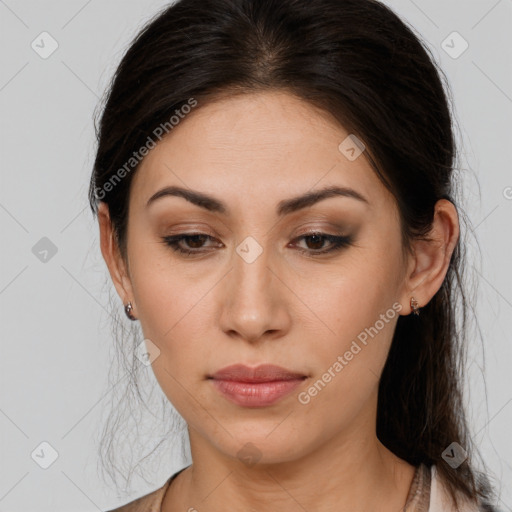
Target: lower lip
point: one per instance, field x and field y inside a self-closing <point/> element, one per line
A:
<point x="255" y="394"/>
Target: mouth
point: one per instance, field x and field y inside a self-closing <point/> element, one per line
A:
<point x="261" y="386"/>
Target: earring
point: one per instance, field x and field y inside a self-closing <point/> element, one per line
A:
<point x="414" y="306"/>
<point x="128" y="308"/>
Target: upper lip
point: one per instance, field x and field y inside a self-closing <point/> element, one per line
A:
<point x="261" y="373"/>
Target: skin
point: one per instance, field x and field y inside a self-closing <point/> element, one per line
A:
<point x="287" y="307"/>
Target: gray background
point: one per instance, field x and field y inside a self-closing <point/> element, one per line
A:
<point x="54" y="308"/>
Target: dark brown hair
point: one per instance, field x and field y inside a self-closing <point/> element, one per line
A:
<point x="358" y="61"/>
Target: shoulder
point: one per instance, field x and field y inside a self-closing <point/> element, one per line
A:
<point x="440" y="500"/>
<point x="151" y="502"/>
<point x="148" y="503"/>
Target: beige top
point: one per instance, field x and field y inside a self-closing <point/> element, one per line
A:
<point x="426" y="494"/>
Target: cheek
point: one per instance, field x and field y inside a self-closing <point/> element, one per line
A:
<point x="356" y="309"/>
<point x="348" y="363"/>
<point x="358" y="334"/>
<point x="164" y="292"/>
<point x="163" y="297"/>
<point x="344" y="299"/>
<point x="172" y="311"/>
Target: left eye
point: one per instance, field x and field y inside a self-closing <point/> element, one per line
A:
<point x="315" y="242"/>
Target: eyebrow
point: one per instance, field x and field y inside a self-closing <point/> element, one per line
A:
<point x="284" y="207"/>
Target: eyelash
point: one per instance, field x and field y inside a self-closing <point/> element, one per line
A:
<point x="338" y="243"/>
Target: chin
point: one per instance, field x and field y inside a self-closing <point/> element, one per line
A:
<point x="256" y="447"/>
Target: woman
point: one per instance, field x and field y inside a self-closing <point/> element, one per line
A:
<point x="274" y="190"/>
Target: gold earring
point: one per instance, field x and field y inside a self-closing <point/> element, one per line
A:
<point x="414" y="306"/>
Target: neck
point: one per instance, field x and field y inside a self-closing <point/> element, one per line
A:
<point x="356" y="473"/>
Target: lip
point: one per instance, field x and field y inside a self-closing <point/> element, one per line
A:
<point x="260" y="386"/>
<point x="258" y="374"/>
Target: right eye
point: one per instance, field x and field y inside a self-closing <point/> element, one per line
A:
<point x="194" y="241"/>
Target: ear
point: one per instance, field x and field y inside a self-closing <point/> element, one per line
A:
<point x="112" y="256"/>
<point x="430" y="260"/>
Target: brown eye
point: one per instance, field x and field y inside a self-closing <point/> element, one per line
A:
<point x="315" y="243"/>
<point x="196" y="241"/>
<point x="187" y="243"/>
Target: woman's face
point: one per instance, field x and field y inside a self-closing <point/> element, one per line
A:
<point x="258" y="287"/>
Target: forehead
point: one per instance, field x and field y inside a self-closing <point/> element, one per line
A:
<point x="269" y="143"/>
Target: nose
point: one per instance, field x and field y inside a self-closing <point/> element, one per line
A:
<point x="254" y="301"/>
